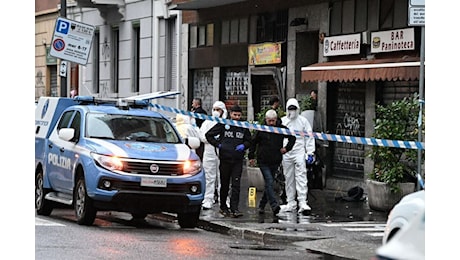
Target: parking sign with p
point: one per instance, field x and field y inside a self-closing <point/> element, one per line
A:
<point x="62" y="26"/>
<point x="72" y="41"/>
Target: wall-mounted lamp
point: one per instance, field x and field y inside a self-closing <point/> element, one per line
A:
<point x="298" y="21"/>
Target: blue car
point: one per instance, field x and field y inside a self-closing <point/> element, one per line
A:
<point x="114" y="155"/>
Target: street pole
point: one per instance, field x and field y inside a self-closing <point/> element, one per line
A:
<point x="64" y="78"/>
<point x="422" y="103"/>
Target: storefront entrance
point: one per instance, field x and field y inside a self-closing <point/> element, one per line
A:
<point x="347" y="117"/>
<point x="263" y="87"/>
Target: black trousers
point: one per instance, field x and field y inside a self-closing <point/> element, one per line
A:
<point x="230" y="172"/>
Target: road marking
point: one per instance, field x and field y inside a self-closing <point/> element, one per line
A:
<point x="42" y="222"/>
<point x="353" y="224"/>
<point x="376" y="234"/>
<point x="369" y="228"/>
<point x="358" y="229"/>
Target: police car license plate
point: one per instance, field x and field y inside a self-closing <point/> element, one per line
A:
<point x="153" y="182"/>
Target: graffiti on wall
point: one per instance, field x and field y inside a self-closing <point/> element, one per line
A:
<point x="350" y="125"/>
<point x="39" y="84"/>
<point x="39" y="79"/>
<point x="104" y="89"/>
<point x="183" y="102"/>
<point x="202" y="87"/>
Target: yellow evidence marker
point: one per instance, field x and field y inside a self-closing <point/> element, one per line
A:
<point x="252" y="197"/>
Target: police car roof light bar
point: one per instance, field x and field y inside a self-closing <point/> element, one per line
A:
<point x="120" y="102"/>
<point x="139" y="101"/>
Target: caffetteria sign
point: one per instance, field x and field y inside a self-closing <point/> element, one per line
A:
<point x="342" y="45"/>
<point x="394" y="40"/>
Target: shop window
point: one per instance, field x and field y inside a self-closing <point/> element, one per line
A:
<point x="389" y="91"/>
<point x="348" y="23"/>
<point x="243" y="30"/>
<point x="236" y="84"/>
<point x="234" y="28"/>
<point x="201" y="35"/>
<point x="353" y="16"/>
<point x="225" y="32"/>
<point x="136" y="56"/>
<point x="210" y="34"/>
<point x="272" y="27"/>
<point x="361" y="10"/>
<point x="347" y="117"/>
<point x="193" y="36"/>
<point x="168" y="53"/>
<point x="235" y="31"/>
<point x="386" y="13"/>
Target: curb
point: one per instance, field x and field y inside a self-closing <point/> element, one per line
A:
<point x="326" y="244"/>
<point x="259" y="235"/>
<point x="249" y="233"/>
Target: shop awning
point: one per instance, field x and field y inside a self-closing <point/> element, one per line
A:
<point x="364" y="70"/>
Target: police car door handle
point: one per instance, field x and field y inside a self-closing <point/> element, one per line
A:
<point x="50" y="145"/>
<point x="61" y="149"/>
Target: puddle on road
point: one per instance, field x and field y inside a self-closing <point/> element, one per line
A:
<point x="255" y="246"/>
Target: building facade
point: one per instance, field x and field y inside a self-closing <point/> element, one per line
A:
<point x="46" y="69"/>
<point x="135" y="49"/>
<point x="245" y="51"/>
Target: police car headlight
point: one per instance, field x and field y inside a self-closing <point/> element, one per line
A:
<point x="111" y="163"/>
<point x="192" y="167"/>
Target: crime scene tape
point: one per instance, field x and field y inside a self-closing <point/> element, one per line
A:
<point x="320" y="136"/>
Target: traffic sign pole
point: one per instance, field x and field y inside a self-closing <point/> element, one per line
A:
<point x="64" y="78"/>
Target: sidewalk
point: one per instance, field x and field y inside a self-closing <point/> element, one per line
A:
<point x="308" y="232"/>
<point x="303" y="231"/>
<point x="324" y="206"/>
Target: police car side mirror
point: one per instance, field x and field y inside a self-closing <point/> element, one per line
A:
<point x="66" y="134"/>
<point x="193" y="142"/>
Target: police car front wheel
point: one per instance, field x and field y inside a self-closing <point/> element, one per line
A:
<point x="84" y="209"/>
<point x="44" y="207"/>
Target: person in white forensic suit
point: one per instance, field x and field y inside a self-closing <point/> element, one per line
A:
<point x="186" y="126"/>
<point x="294" y="162"/>
<point x="211" y="156"/>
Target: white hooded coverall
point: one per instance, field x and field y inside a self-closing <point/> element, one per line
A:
<point x="185" y="127"/>
<point x="294" y="165"/>
<point x="211" y="159"/>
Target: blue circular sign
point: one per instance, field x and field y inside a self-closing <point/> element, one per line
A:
<point x="58" y="44"/>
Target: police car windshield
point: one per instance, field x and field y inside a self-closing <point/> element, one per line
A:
<point x="130" y="128"/>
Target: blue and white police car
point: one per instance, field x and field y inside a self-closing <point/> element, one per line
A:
<point x="114" y="155"/>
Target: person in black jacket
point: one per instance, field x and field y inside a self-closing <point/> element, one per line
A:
<point x="270" y="149"/>
<point x="232" y="141"/>
<point x="196" y="108"/>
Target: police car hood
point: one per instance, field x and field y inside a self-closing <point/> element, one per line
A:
<point x="141" y="150"/>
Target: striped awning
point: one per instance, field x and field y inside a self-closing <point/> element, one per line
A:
<point x="406" y="69"/>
